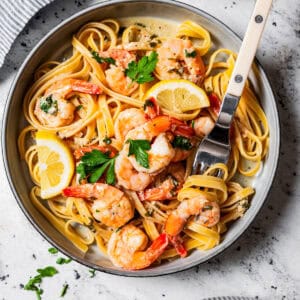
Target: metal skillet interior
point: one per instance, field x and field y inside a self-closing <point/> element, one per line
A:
<point x="55" y="45"/>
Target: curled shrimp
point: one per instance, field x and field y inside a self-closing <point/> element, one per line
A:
<point x="127" y="176"/>
<point x="126" y="248"/>
<point x="161" y="152"/>
<point x="130" y="174"/>
<point x="111" y="206"/>
<point x="115" y="73"/>
<point x="207" y="212"/>
<point x="177" y="58"/>
<point x="53" y="109"/>
<point x="167" y="189"/>
<point x="127" y="120"/>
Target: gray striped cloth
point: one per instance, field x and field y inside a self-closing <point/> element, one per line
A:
<point x="14" y="15"/>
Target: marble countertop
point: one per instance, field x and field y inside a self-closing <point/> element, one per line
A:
<point x="264" y="263"/>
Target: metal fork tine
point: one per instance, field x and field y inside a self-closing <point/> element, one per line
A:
<point x="219" y="173"/>
<point x="203" y="167"/>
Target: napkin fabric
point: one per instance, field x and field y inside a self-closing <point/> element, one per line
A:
<point x="14" y="15"/>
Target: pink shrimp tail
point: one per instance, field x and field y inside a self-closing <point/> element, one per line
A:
<point x="158" y="246"/>
<point x="176" y="241"/>
<point x="81" y="191"/>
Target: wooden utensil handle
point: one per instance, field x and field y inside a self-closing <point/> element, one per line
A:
<point x="248" y="48"/>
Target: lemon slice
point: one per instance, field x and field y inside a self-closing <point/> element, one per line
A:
<point x="178" y="95"/>
<point x="56" y="164"/>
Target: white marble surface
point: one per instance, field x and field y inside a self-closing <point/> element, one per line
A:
<point x="264" y="263"/>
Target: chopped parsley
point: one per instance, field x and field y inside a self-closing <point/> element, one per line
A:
<point x="93" y="273"/>
<point x="94" y="164"/>
<point x="52" y="250"/>
<point x="190" y="54"/>
<point x="64" y="290"/>
<point x="140" y="24"/>
<point x="62" y="260"/>
<point x="34" y="283"/>
<point x="79" y="107"/>
<point x="141" y="71"/>
<point x="48" y="105"/>
<point x="182" y="143"/>
<point x="107" y="141"/>
<point x="138" y="149"/>
<point x="102" y="60"/>
<point x="207" y="207"/>
<point x="193" y="124"/>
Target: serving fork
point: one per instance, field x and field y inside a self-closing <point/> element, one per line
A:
<point x="215" y="147"/>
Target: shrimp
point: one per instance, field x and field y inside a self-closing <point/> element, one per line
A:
<point x="203" y="125"/>
<point x="126" y="248"/>
<point x="115" y="74"/>
<point x="161" y="152"/>
<point x="167" y="189"/>
<point x="130" y="174"/>
<point x="207" y="212"/>
<point x="177" y="58"/>
<point x="111" y="206"/>
<point x="53" y="109"/>
<point x="127" y="120"/>
<point x="127" y="176"/>
<point x="159" y="156"/>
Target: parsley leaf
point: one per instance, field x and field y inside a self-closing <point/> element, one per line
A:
<point x="190" y="54"/>
<point x="62" y="260"/>
<point x="93" y="273"/>
<point x="138" y="148"/>
<point x="52" y="250"/>
<point x="95" y="158"/>
<point x="80" y="169"/>
<point x="79" y="107"/>
<point x="31" y="285"/>
<point x="64" y="290"/>
<point x="141" y="71"/>
<point x="193" y="124"/>
<point x="94" y="164"/>
<point x="182" y="143"/>
<point x="110" y="174"/>
<point x="47" y="272"/>
<point x="102" y="60"/>
<point x="48" y="105"/>
<point x="98" y="173"/>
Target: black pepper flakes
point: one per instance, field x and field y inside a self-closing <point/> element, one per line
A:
<point x="76" y="274"/>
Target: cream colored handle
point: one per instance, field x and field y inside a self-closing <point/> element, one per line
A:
<point x="248" y="48"/>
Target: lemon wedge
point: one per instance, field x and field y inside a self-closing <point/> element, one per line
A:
<point x="56" y="164"/>
<point x="178" y="95"/>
